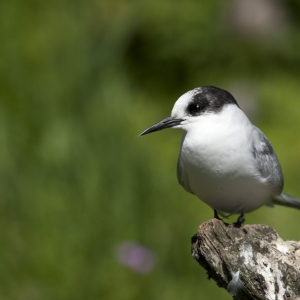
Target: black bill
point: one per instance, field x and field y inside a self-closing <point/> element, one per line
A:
<point x="165" y="123"/>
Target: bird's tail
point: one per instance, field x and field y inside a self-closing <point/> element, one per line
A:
<point x="286" y="200"/>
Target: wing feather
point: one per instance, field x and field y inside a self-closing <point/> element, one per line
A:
<point x="267" y="161"/>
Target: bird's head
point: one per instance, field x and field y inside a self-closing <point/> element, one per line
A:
<point x="193" y="105"/>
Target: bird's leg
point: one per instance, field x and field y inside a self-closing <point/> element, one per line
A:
<point x="216" y="216"/>
<point x="239" y="221"/>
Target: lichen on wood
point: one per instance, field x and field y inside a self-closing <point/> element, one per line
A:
<point x="251" y="262"/>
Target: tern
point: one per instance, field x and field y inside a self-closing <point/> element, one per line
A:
<point x="224" y="159"/>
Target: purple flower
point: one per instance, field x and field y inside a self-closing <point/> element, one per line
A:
<point x="136" y="257"/>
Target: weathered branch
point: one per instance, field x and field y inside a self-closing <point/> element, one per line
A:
<point x="251" y="262"/>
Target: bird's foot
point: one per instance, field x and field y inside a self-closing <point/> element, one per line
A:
<point x="216" y="216"/>
<point x="239" y="221"/>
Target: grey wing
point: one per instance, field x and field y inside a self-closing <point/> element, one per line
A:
<point x="181" y="174"/>
<point x="266" y="159"/>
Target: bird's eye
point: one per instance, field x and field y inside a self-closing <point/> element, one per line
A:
<point x="195" y="108"/>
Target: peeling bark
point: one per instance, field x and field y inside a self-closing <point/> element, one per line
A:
<point x="251" y="262"/>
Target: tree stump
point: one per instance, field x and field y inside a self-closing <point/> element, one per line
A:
<point x="251" y="262"/>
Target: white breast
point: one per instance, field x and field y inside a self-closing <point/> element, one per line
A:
<point x="217" y="163"/>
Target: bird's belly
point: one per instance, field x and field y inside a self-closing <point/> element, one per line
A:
<point x="221" y="171"/>
<point x="232" y="192"/>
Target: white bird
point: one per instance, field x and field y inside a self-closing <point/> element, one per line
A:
<point x="224" y="159"/>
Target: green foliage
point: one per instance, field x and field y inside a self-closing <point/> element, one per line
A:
<point x="79" y="81"/>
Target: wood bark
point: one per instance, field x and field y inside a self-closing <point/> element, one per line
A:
<point x="251" y="262"/>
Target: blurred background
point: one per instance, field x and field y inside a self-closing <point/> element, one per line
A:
<point x="87" y="209"/>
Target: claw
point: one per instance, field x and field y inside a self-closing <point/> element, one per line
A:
<point x="239" y="221"/>
<point x="216" y="216"/>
